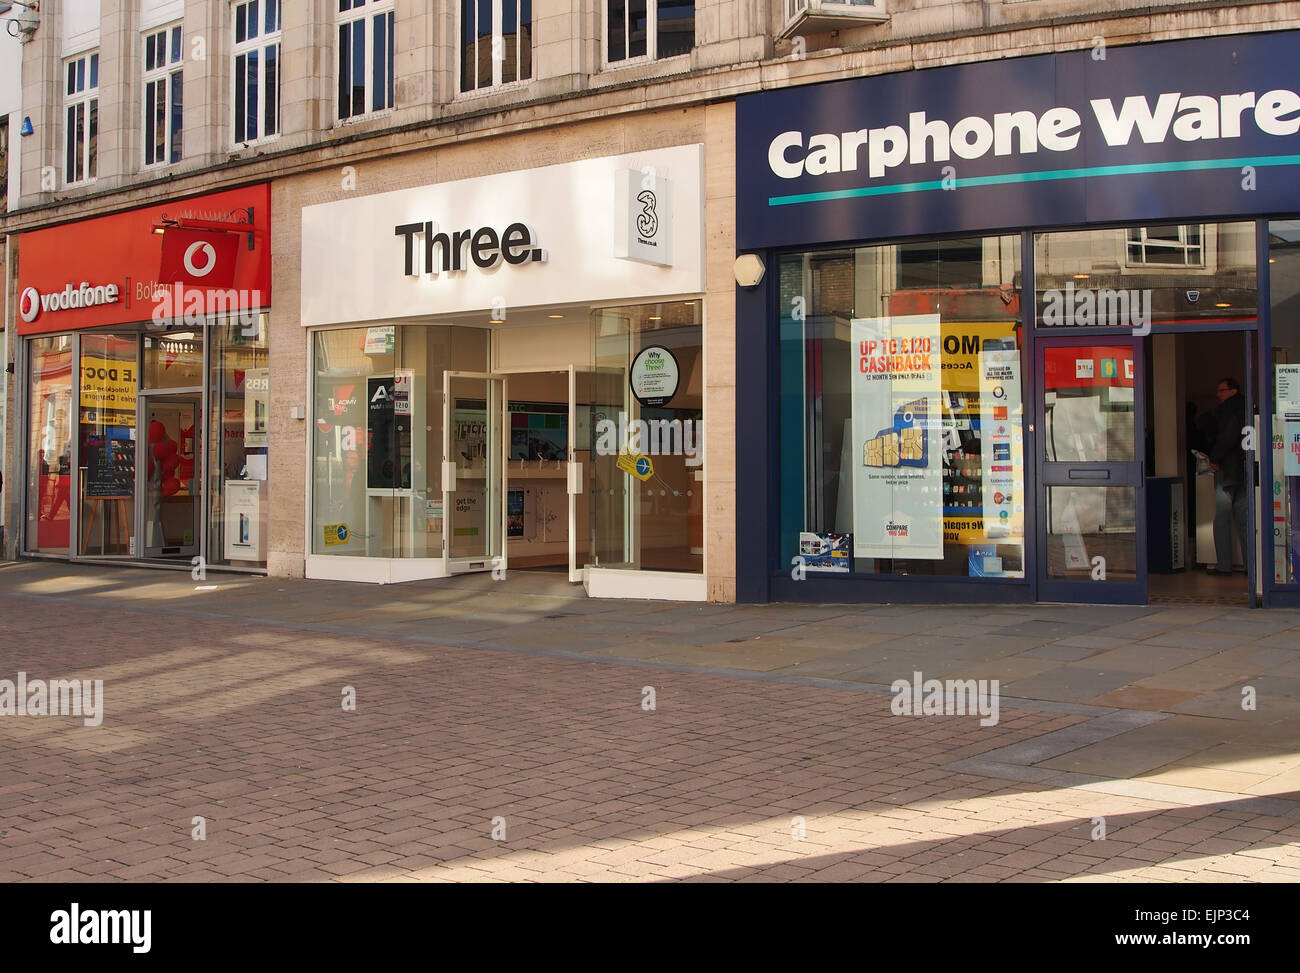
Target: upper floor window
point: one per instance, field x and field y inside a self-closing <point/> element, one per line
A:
<point x="163" y="85"/>
<point x="365" y="68"/>
<point x="257" y="70"/>
<point x="81" y="112"/>
<point x="1179" y="245"/>
<point x="648" y="29"/>
<point x="496" y="42"/>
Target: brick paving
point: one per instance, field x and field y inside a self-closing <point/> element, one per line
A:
<point x="733" y="778"/>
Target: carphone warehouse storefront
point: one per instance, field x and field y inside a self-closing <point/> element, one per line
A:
<point x="1008" y="308"/>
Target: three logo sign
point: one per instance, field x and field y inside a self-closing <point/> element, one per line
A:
<point x="647" y="223"/>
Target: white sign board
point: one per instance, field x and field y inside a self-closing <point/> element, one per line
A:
<point x="520" y="239"/>
<point x="257" y="399"/>
<point x="643" y="217"/>
<point x="243" y="514"/>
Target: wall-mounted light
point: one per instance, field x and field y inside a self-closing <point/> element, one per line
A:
<point x="749" y="269"/>
<point x="24" y="21"/>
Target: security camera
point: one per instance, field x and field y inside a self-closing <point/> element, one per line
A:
<point x="24" y="20"/>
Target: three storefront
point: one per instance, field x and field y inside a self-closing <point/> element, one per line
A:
<point x="507" y="371"/>
<point x="996" y="298"/>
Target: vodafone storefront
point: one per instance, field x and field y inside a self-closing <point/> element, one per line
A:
<point x="144" y="384"/>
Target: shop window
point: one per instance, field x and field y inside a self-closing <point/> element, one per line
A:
<point x="1283" y="385"/>
<point x="365" y="62"/>
<point x="163" y="87"/>
<point x="496" y="42"/>
<point x="49" y="445"/>
<point x="239" y="389"/>
<point x="106" y="431"/>
<point x="377" y="438"/>
<point x="173" y="360"/>
<point x="1135" y="278"/>
<point x="649" y="517"/>
<point x="901" y="410"/>
<point x="944" y="263"/>
<point x="257" y="70"/>
<point x="81" y="119"/>
<point x="648" y="29"/>
<point x="1180" y="245"/>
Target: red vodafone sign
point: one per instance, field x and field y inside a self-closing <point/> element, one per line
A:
<point x="118" y="270"/>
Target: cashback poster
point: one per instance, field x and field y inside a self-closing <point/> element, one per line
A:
<point x="898" y="459"/>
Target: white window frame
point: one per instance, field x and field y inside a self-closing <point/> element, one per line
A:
<point x="1163" y="246"/>
<point x="258" y="44"/>
<point x="1208" y="247"/>
<point x="369" y="11"/>
<point x="496" y="83"/>
<point x="651" y="37"/>
<point x="168" y="75"/>
<point x="86" y="97"/>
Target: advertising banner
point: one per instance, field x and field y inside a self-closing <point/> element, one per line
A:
<point x="243" y="513"/>
<point x="898" y="463"/>
<point x="257" y="403"/>
<point x="1002" y="439"/>
<point x="108" y="387"/>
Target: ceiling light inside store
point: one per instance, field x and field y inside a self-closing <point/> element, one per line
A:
<point x="1082" y="276"/>
<point x="555" y="317"/>
<point x="656" y="317"/>
<point x="1223" y="304"/>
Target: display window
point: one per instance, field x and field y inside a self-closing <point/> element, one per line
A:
<point x="239" y="397"/>
<point x="1282" y="515"/>
<point x="377" y="487"/>
<point x="647" y="481"/>
<point x="49" y="444"/>
<point x="901" y="410"/>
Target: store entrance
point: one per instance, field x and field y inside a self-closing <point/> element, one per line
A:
<point x="1146" y="469"/>
<point x="1091" y="501"/>
<point x="1203" y="501"/>
<point x="516" y="459"/>
<point x="172" y="482"/>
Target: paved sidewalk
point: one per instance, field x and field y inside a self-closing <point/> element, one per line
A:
<point x="770" y="753"/>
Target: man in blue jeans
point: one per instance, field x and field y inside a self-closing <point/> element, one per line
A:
<point x="1228" y="460"/>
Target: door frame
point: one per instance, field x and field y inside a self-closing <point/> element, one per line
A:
<point x="198" y="397"/>
<point x="488" y="561"/>
<point x="1055" y="473"/>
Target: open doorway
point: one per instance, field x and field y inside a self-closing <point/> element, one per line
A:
<point x="537" y="472"/>
<point x="1200" y="483"/>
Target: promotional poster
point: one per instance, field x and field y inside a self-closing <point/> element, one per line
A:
<point x="897" y="398"/>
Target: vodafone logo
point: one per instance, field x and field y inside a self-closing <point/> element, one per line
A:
<point x="209" y="258"/>
<point x="29" y="304"/>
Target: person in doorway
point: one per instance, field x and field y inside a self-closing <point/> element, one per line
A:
<point x="1228" y="460"/>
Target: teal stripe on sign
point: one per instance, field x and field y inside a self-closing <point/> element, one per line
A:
<point x="1049" y="176"/>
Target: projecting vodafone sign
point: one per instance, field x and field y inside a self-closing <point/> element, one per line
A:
<point x="116" y="270"/>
